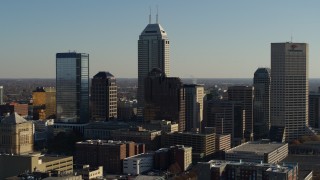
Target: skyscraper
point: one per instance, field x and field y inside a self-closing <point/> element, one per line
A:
<point x="103" y="97"/>
<point x="228" y="117"/>
<point x="164" y="98"/>
<point x="244" y="95"/>
<point x="289" y="88"/>
<point x="194" y="106"/>
<point x="153" y="52"/>
<point x="1" y="95"/>
<point x="314" y="109"/>
<point x="261" y="102"/>
<point x="72" y="87"/>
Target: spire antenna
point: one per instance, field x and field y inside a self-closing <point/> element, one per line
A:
<point x="150" y="15"/>
<point x="291" y="37"/>
<point x="157" y="17"/>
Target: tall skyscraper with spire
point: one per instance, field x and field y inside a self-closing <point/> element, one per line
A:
<point x="289" y="88"/>
<point x="153" y="52"/>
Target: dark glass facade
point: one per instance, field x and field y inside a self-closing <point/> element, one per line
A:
<point x="72" y="87"/>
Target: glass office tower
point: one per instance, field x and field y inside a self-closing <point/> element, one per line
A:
<point x="72" y="87"/>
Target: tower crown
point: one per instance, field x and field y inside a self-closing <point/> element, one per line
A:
<point x="154" y="29"/>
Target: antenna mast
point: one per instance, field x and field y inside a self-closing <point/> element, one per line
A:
<point x="157" y="19"/>
<point x="150" y="16"/>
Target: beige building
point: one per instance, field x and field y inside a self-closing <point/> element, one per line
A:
<point x="168" y="127"/>
<point x="183" y="156"/>
<point x="88" y="172"/>
<point x="194" y="94"/>
<point x="290" y="88"/>
<point x="12" y="165"/>
<point x="223" y="142"/>
<point x="16" y="135"/>
<point x="203" y="145"/>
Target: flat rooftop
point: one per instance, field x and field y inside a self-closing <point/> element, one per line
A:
<point x="52" y="158"/>
<point x="256" y="147"/>
<point x="139" y="156"/>
<point x="104" y="142"/>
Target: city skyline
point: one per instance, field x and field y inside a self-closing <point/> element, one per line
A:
<point x="211" y="36"/>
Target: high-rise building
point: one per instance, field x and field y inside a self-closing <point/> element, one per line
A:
<point x="44" y="103"/>
<point x="314" y="109"/>
<point x="103" y="97"/>
<point x="228" y="117"/>
<point x="289" y="88"/>
<point x="245" y="95"/>
<point x="1" y="95"/>
<point x="261" y="102"/>
<point x="16" y="135"/>
<point x="153" y="52"/>
<point x="72" y="84"/>
<point x="164" y="98"/>
<point x="194" y="94"/>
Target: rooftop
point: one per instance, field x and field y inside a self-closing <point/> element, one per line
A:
<point x="154" y="29"/>
<point x="139" y="156"/>
<point x="104" y="142"/>
<point x="103" y="75"/>
<point x="13" y="118"/>
<point x="256" y="147"/>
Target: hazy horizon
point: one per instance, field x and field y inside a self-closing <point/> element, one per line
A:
<point x="208" y="38"/>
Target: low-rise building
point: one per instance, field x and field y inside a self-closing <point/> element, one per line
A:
<point x="203" y="145"/>
<point x="217" y="170"/>
<point x="138" y="164"/>
<point x="108" y="154"/>
<point x="182" y="156"/>
<point x="102" y="129"/>
<point x="88" y="172"/>
<point x="16" y="135"/>
<point x="151" y="138"/>
<point x="12" y="165"/>
<point x="258" y="151"/>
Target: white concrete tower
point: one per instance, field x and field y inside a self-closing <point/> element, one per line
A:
<point x="290" y="88"/>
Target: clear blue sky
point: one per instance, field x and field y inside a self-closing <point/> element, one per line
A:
<point x="212" y="39"/>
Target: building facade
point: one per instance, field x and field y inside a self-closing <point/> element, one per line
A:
<point x="290" y="88"/>
<point x="314" y="109"/>
<point x="12" y="165"/>
<point x="203" y="145"/>
<point x="164" y="98"/>
<point x="44" y="103"/>
<point x="228" y="117"/>
<point x="1" y="95"/>
<point x="16" y="135"/>
<point x="138" y="164"/>
<point x="194" y="94"/>
<point x="108" y="154"/>
<point x="153" y="52"/>
<point x="245" y="95"/>
<point x="217" y="170"/>
<point x="103" y="97"/>
<point x="258" y="151"/>
<point x="261" y="102"/>
<point x="72" y="86"/>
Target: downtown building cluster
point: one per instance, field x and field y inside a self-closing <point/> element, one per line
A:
<point x="179" y="130"/>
